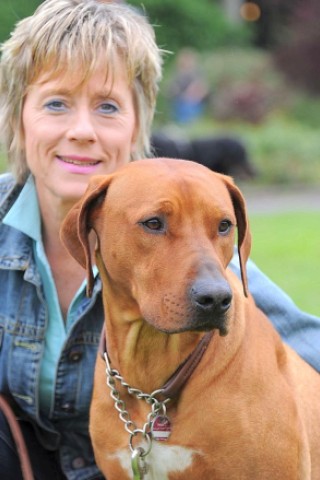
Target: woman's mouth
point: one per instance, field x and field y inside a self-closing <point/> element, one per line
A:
<point x="78" y="165"/>
<point x="81" y="161"/>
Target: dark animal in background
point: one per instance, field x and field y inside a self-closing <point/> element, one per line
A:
<point x="225" y="155"/>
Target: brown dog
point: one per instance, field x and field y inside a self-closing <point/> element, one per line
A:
<point x="243" y="406"/>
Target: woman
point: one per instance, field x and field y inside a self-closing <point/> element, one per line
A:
<point x="78" y="87"/>
<point x="78" y="84"/>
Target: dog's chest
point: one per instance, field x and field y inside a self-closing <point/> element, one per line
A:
<point x="161" y="461"/>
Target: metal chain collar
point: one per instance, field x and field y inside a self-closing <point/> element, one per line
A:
<point x="157" y="407"/>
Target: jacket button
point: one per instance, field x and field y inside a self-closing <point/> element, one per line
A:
<point x="67" y="407"/>
<point x="75" y="356"/>
<point x="78" y="463"/>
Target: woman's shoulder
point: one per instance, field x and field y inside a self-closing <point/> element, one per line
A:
<point x="9" y="191"/>
<point x="7" y="182"/>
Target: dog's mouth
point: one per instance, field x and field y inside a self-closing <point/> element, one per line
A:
<point x="222" y="328"/>
<point x="196" y="324"/>
<point x="201" y="310"/>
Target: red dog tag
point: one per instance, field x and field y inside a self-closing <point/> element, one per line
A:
<point x="161" y="428"/>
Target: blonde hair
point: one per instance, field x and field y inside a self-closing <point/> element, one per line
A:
<point x="74" y="35"/>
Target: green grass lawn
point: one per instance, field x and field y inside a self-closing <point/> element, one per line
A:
<point x="286" y="247"/>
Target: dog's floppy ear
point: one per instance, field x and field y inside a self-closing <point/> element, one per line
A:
<point x="244" y="235"/>
<point x="77" y="225"/>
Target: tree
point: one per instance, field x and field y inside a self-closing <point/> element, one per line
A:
<point x="200" y="24"/>
<point x="298" y="54"/>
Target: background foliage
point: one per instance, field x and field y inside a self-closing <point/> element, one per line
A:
<point x="200" y="24"/>
<point x="11" y="11"/>
<point x="267" y="96"/>
<point x="298" y="53"/>
<point x="264" y="80"/>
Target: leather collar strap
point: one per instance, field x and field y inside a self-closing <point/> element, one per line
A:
<point x="178" y="379"/>
<point x="17" y="435"/>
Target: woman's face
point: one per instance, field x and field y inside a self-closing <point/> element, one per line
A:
<point x="72" y="132"/>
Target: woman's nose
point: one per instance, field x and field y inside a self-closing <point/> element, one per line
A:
<point x="81" y="127"/>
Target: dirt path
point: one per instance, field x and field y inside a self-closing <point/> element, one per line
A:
<point x="281" y="199"/>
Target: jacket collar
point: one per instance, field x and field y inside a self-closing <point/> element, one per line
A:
<point x="9" y="192"/>
<point x="24" y="214"/>
<point x="15" y="246"/>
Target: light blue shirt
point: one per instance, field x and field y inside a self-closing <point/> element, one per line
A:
<point x="19" y="216"/>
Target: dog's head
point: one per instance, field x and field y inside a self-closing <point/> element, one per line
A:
<point x="165" y="235"/>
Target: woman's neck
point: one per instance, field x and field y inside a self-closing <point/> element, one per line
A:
<point x="68" y="275"/>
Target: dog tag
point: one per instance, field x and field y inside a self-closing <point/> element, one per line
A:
<point x="161" y="428"/>
<point x="138" y="464"/>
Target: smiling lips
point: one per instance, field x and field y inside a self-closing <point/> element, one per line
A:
<point x="78" y="165"/>
<point x="79" y="161"/>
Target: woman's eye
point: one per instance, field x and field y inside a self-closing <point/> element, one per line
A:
<point x="154" y="224"/>
<point x="56" y="105"/>
<point x="108" y="108"/>
<point x="225" y="227"/>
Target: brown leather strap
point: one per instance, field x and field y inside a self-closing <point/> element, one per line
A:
<point x="102" y="343"/>
<point x="176" y="382"/>
<point x="18" y="438"/>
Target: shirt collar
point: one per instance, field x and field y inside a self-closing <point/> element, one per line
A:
<point x="24" y="215"/>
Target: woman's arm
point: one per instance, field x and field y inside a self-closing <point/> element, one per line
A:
<point x="298" y="329"/>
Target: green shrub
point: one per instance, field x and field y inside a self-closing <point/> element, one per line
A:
<point x="305" y="109"/>
<point x="245" y="85"/>
<point x="238" y="64"/>
<point x="284" y="151"/>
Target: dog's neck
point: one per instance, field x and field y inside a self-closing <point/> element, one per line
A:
<point x="173" y="386"/>
<point x="145" y="357"/>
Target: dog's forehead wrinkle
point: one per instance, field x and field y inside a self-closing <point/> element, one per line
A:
<point x="181" y="186"/>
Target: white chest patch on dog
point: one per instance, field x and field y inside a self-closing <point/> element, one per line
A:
<point x="162" y="460"/>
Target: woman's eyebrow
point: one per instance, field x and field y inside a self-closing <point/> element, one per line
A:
<point x="56" y="90"/>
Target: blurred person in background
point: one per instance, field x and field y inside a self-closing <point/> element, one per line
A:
<point x="188" y="91"/>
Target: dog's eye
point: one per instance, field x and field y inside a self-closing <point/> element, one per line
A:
<point x="155" y="224"/>
<point x="225" y="227"/>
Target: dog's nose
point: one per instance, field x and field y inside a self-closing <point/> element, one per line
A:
<point x="211" y="296"/>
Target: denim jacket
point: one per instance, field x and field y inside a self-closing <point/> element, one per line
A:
<point x="23" y="320"/>
<point x="300" y="330"/>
